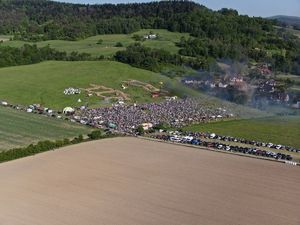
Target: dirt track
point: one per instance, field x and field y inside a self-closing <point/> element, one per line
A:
<point x="127" y="181"/>
<point x="100" y="91"/>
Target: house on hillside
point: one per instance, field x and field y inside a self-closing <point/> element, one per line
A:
<point x="264" y="69"/>
<point x="150" y="36"/>
<point x="236" y="80"/>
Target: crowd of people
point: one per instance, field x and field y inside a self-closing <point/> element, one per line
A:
<point x="176" y="113"/>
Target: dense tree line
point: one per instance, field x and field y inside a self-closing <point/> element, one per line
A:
<point x="215" y="34"/>
<point x="42" y="19"/>
<point x="280" y="49"/>
<point x="52" y="20"/>
<point x="29" y="54"/>
<point x="147" y="58"/>
<point x="143" y="57"/>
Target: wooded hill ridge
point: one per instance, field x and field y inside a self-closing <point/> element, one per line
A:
<point x="43" y="19"/>
<point x="215" y="34"/>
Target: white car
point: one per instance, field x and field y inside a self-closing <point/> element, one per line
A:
<point x="269" y="145"/>
<point x="213" y="135"/>
<point x="188" y="138"/>
<point x="175" y="138"/>
<point x="83" y="122"/>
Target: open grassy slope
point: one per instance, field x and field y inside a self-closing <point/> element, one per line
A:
<point x="166" y="41"/>
<point x="45" y="82"/>
<point x="279" y="130"/>
<point x="19" y="129"/>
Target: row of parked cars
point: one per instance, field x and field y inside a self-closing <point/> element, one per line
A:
<point x="188" y="139"/>
<point x="237" y="140"/>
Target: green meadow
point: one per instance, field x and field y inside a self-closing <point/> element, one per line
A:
<point x="283" y="130"/>
<point x="44" y="83"/>
<point x="167" y="40"/>
<point x="19" y="129"/>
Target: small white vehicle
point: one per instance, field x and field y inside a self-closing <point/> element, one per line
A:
<point x="213" y="135"/>
<point x="83" y="122"/>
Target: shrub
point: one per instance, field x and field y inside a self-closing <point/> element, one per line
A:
<point x="140" y="130"/>
<point x="97" y="134"/>
<point x="119" y="44"/>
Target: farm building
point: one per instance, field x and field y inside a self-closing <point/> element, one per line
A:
<point x="150" y="36"/>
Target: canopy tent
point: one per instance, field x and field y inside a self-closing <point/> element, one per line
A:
<point x="68" y="110"/>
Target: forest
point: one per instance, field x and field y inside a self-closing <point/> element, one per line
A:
<point x="215" y="34"/>
<point x="30" y="54"/>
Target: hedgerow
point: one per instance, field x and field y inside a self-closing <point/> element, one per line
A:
<point x="44" y="146"/>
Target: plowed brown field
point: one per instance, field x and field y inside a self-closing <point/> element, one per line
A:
<point x="128" y="181"/>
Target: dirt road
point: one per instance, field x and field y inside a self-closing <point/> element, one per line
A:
<point x="127" y="181"/>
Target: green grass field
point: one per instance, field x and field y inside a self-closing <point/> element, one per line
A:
<point x="166" y="41"/>
<point x="278" y="130"/>
<point x="19" y="129"/>
<point x="289" y="76"/>
<point x="45" y="82"/>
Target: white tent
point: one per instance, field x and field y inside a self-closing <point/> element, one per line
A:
<point x="68" y="110"/>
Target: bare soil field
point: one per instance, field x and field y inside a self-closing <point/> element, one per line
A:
<point x="128" y="181"/>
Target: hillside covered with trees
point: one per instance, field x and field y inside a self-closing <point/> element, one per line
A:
<point x="215" y="34"/>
